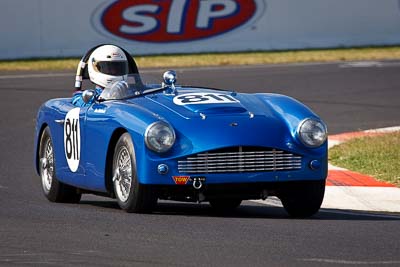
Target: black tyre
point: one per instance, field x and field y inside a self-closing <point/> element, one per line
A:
<point x="131" y="195"/>
<point x="302" y="199"/>
<point x="54" y="190"/>
<point x="225" y="204"/>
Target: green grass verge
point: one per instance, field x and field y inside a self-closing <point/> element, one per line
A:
<point x="221" y="59"/>
<point x="378" y="156"/>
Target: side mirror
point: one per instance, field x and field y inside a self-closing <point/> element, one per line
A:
<point x="88" y="95"/>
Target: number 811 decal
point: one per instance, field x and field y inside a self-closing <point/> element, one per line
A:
<point x="72" y="139"/>
<point x="204" y="98"/>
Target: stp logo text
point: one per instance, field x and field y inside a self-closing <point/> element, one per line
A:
<point x="162" y="21"/>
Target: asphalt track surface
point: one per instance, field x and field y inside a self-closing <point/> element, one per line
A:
<point x="96" y="232"/>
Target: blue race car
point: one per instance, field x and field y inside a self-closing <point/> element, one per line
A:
<point x="140" y="142"/>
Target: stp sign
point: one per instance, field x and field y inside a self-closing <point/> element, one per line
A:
<point x="162" y="21"/>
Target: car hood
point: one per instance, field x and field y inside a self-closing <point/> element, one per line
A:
<point x="193" y="103"/>
<point x="205" y="118"/>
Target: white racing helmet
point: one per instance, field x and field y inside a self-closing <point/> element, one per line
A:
<point x="107" y="64"/>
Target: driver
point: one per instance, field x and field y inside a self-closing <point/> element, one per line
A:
<point x="107" y="64"/>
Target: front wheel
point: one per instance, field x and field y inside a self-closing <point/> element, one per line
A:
<point x="302" y="199"/>
<point x="54" y="190"/>
<point x="131" y="195"/>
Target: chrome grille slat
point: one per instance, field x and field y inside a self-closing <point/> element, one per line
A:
<point x="234" y="161"/>
<point x="245" y="166"/>
<point x="243" y="159"/>
<point x="247" y="162"/>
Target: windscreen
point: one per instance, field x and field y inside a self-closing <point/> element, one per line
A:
<point x="136" y="85"/>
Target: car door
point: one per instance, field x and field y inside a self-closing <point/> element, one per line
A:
<point x="97" y="130"/>
<point x="69" y="142"/>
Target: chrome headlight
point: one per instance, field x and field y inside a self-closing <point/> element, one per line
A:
<point x="159" y="136"/>
<point x="312" y="133"/>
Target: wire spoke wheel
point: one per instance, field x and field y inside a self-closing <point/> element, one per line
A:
<point x="54" y="190"/>
<point x="131" y="195"/>
<point x="123" y="174"/>
<point x="47" y="165"/>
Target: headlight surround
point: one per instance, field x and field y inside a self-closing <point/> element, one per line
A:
<point x="312" y="132"/>
<point x="159" y="137"/>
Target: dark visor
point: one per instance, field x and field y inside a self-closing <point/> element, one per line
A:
<point x="115" y="68"/>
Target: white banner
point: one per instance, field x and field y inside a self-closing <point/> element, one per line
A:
<point x="56" y="28"/>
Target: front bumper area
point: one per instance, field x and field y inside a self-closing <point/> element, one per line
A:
<point x="149" y="173"/>
<point x="207" y="192"/>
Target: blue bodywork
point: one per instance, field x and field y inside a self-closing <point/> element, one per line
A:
<point x="246" y="120"/>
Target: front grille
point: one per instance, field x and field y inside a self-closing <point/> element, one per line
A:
<point x="240" y="159"/>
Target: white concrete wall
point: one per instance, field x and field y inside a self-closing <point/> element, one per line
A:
<point x="57" y="28"/>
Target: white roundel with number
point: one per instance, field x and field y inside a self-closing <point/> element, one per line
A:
<point x="204" y="98"/>
<point x="72" y="139"/>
